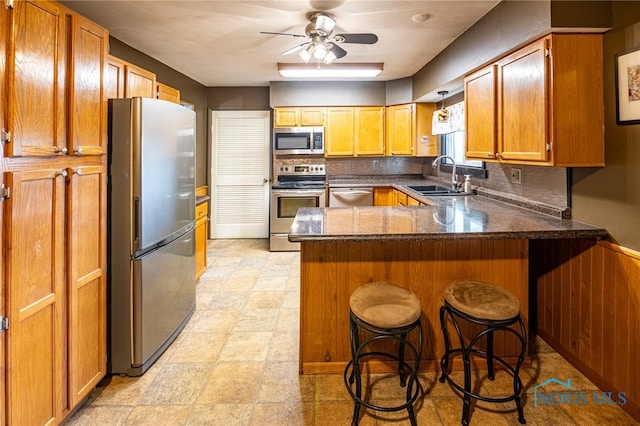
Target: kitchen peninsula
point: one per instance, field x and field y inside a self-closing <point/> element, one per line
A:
<point x="421" y="248"/>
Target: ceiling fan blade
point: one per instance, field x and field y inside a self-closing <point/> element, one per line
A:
<point x="287" y="34"/>
<point x="361" y="38"/>
<point x="338" y="51"/>
<point x="295" y="48"/>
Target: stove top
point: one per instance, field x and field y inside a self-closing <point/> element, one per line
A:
<point x="300" y="176"/>
<point x="303" y="184"/>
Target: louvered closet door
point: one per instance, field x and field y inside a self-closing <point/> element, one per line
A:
<point x="240" y="174"/>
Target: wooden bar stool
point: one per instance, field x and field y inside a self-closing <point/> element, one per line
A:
<point x="495" y="309"/>
<point x="388" y="312"/>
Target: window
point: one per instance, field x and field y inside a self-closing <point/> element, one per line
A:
<point x="453" y="146"/>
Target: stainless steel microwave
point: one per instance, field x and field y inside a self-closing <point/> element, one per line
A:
<point x="298" y="140"/>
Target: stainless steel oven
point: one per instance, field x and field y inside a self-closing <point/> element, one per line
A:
<point x="296" y="186"/>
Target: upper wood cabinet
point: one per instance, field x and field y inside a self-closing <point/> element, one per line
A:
<point x="36" y="70"/>
<point x="295" y="117"/>
<point x="88" y="107"/>
<point x="354" y="131"/>
<point x="167" y="93"/>
<point x="338" y="135"/>
<point x="55" y="67"/>
<point x="408" y="130"/>
<point x="369" y="130"/>
<point x="114" y="78"/>
<point x="480" y="113"/>
<point x="138" y="82"/>
<point x="549" y="106"/>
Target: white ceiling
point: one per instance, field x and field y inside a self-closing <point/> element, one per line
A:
<point x="218" y="43"/>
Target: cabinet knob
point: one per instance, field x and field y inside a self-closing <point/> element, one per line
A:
<point x="78" y="171"/>
<point x="63" y="173"/>
<point x="78" y="151"/>
<point x="63" y="150"/>
<point x="498" y="155"/>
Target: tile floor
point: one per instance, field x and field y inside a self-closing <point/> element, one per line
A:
<point x="236" y="364"/>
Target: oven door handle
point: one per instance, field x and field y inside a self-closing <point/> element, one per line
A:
<point x="297" y="192"/>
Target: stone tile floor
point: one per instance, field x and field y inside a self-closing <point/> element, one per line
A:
<point x="235" y="363"/>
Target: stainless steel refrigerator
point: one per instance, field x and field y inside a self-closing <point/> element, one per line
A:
<point x="151" y="222"/>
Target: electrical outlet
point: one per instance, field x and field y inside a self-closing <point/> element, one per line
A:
<point x="516" y="176"/>
<point x="376" y="164"/>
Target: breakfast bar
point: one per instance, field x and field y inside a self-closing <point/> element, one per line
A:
<point x="422" y="248"/>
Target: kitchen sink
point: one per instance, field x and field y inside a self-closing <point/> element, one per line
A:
<point x="433" y="190"/>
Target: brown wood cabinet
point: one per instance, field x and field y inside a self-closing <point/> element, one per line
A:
<point x="354" y="131"/>
<point x="3" y="312"/>
<point x="54" y="219"/>
<point x="546" y="106"/>
<point x="408" y="130"/>
<point x="167" y="93"/>
<point x="138" y="82"/>
<point x="384" y="196"/>
<point x="114" y="78"/>
<point x="295" y="117"/>
<point x="37" y="111"/>
<point x="202" y="211"/>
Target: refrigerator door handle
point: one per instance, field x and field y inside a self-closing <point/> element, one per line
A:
<point x="136" y="223"/>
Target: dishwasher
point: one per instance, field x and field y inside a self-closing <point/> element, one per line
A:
<point x="350" y="197"/>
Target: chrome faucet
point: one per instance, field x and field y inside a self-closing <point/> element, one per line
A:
<point x="454" y="177"/>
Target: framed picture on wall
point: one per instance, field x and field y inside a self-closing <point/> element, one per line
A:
<point x="627" y="66"/>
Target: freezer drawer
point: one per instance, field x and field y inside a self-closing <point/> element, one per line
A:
<point x="161" y="301"/>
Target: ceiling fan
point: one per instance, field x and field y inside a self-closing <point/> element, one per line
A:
<point x="323" y="46"/>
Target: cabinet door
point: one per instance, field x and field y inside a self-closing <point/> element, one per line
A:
<point x="286" y="117"/>
<point x="35" y="263"/>
<point x="87" y="279"/>
<point x="36" y="75"/>
<point x="312" y="116"/>
<point x="523" y="89"/>
<point x="480" y="114"/>
<point x="3" y="312"/>
<point x="201" y="239"/>
<point x="87" y="106"/>
<point x="167" y="93"/>
<point x="400" y="130"/>
<point x="384" y="196"/>
<point x="339" y="131"/>
<point x="369" y="135"/>
<point x="114" y="78"/>
<point x="139" y="82"/>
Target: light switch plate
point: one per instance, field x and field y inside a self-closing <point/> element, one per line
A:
<point x="516" y="176"/>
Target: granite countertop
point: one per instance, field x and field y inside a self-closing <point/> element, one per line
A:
<point x="449" y="217"/>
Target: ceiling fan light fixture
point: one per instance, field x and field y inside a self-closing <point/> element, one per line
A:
<point x="329" y="57"/>
<point x="342" y="70"/>
<point x="307" y="53"/>
<point x="323" y="24"/>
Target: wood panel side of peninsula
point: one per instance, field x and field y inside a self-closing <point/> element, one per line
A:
<point x="332" y="269"/>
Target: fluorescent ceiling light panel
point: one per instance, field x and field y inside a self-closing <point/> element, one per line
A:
<point x="330" y="71"/>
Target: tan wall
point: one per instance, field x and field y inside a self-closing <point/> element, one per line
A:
<point x="190" y="91"/>
<point x="610" y="197"/>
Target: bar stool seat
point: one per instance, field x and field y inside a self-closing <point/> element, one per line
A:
<point x="388" y="312"/>
<point x="496" y="310"/>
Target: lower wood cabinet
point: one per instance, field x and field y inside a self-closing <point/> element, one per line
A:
<point x="384" y="196"/>
<point x="55" y="248"/>
<point x="202" y="229"/>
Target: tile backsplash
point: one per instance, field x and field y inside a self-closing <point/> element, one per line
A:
<point x="375" y="166"/>
<point x="546" y="185"/>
